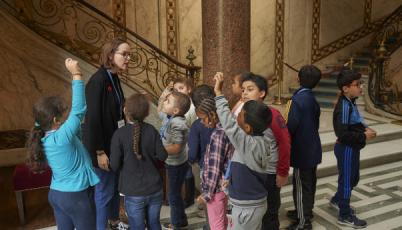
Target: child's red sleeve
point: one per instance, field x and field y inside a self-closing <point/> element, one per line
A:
<point x="282" y="138"/>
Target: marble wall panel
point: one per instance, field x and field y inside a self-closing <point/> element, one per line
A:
<point x="262" y="37"/>
<point x="103" y="5"/>
<point x="142" y="17"/>
<point x="297" y="39"/>
<point x="190" y="30"/>
<point x="383" y="8"/>
<point x="31" y="67"/>
<point x="339" y="18"/>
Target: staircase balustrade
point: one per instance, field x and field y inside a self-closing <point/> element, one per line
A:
<point x="382" y="91"/>
<point x="82" y="30"/>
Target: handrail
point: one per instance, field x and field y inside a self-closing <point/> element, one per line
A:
<point x="137" y="36"/>
<point x="382" y="91"/>
<point x="390" y="28"/>
<point x="82" y="30"/>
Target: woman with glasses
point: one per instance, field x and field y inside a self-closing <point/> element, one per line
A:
<point x="105" y="100"/>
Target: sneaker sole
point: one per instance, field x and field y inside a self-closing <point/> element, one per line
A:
<point x="336" y="207"/>
<point x="350" y="225"/>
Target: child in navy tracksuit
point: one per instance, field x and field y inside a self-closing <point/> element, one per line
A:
<point x="306" y="153"/>
<point x="352" y="134"/>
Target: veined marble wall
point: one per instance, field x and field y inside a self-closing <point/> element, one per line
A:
<point x="338" y="18"/>
<point x="190" y="29"/>
<point x="152" y="26"/>
<point x="31" y="68"/>
<point x="382" y="8"/>
<point x="297" y="41"/>
<point x="262" y="37"/>
<point x="142" y="17"/>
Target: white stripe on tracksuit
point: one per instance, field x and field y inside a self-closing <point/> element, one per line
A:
<point x="299" y="198"/>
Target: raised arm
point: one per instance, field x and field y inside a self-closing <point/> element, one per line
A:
<point x="71" y="126"/>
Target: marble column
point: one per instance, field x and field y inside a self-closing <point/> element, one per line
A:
<point x="225" y="39"/>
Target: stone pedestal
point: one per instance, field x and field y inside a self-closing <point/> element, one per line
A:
<point x="225" y="39"/>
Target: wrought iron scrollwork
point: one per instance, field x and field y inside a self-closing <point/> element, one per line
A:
<point x="81" y="29"/>
<point x="382" y="91"/>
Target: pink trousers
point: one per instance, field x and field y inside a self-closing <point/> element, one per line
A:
<point x="217" y="212"/>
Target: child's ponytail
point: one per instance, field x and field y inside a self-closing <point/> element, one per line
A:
<point x="44" y="113"/>
<point x="36" y="160"/>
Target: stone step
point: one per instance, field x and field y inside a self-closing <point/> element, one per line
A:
<point x="385" y="132"/>
<point x="328" y="82"/>
<point x="326" y="102"/>
<point x="329" y="91"/>
<point x="372" y="155"/>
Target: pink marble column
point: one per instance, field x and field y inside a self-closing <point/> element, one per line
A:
<point x="225" y="39"/>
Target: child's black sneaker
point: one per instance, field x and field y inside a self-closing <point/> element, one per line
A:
<point x="335" y="205"/>
<point x="120" y="226"/>
<point x="352" y="221"/>
<point x="292" y="214"/>
<point x="297" y="226"/>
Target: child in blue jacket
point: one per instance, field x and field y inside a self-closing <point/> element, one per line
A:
<point x="352" y="134"/>
<point x="303" y="124"/>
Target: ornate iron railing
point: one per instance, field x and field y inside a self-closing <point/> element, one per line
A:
<point x="389" y="34"/>
<point x="383" y="92"/>
<point x="82" y="30"/>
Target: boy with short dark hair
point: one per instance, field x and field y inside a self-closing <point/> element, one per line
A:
<point x="255" y="87"/>
<point x="174" y="134"/>
<point x="306" y="153"/>
<point x="352" y="134"/>
<point x="248" y="167"/>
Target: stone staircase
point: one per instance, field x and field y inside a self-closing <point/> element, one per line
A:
<point x="385" y="148"/>
<point x="327" y="91"/>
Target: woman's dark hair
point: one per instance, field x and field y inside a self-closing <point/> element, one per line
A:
<point x="137" y="109"/>
<point x="109" y="49"/>
<point x="44" y="113"/>
<point x="309" y="76"/>
<point x="257" y="115"/>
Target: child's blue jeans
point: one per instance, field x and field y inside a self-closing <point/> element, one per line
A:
<point x="176" y="175"/>
<point x="141" y="208"/>
<point x="107" y="198"/>
<point x="73" y="209"/>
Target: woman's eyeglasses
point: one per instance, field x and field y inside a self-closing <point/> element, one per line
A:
<point x="125" y="55"/>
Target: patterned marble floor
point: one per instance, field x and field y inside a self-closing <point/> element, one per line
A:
<point x="377" y="198"/>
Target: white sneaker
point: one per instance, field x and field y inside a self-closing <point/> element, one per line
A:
<point x="120" y="226"/>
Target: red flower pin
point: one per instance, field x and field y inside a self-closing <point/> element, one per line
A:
<point x="109" y="88"/>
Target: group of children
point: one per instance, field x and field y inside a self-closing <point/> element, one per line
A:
<point x="244" y="149"/>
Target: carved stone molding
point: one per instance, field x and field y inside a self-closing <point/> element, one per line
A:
<point x="172" y="28"/>
<point x="315" y="46"/>
<point x="367" y="11"/>
<point x="318" y="53"/>
<point x="119" y="11"/>
<point x="279" y="38"/>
